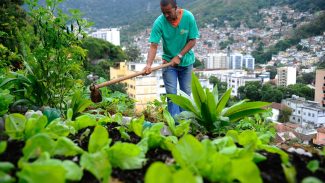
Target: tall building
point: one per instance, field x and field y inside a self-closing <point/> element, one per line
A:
<point x="286" y="76"/>
<point x="320" y="87"/>
<point x="249" y="62"/>
<point x="217" y="61"/>
<point x="236" y="61"/>
<point x="111" y="35"/>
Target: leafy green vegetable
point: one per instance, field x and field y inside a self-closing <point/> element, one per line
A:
<point x="3" y="146"/>
<point x="126" y="156"/>
<point x="211" y="113"/>
<point x="98" y="139"/>
<point x="98" y="164"/>
<point x="6" y="99"/>
<point x="313" y="166"/>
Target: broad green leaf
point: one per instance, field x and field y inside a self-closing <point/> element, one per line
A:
<point x="74" y="172"/>
<point x="57" y="128"/>
<point x="183" y="128"/>
<point x="245" y="174"/>
<point x="211" y="105"/>
<point x="188" y="152"/>
<point x="69" y="114"/>
<point x="170" y="121"/>
<point x="66" y="147"/>
<point x="215" y="94"/>
<point x="258" y="157"/>
<point x="154" y="135"/>
<point x="223" y="101"/>
<point x="311" y="180"/>
<point x="84" y="121"/>
<point x="34" y="125"/>
<point x="242" y="114"/>
<point x="184" y="103"/>
<point x="158" y="172"/>
<point x="136" y="125"/>
<point x="98" y="164"/>
<point x="126" y="156"/>
<point x="218" y="168"/>
<point x="289" y="172"/>
<point x="37" y="144"/>
<point x="3" y="146"/>
<point x="245" y="106"/>
<point x="6" y="166"/>
<point x="313" y="165"/>
<point x="197" y="92"/>
<point x="15" y="126"/>
<point x="98" y="139"/>
<point x="184" y="175"/>
<point x="248" y="138"/>
<point x="38" y="172"/>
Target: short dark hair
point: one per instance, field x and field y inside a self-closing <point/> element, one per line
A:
<point x="167" y="2"/>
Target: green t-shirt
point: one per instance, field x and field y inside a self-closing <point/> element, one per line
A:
<point x="175" y="38"/>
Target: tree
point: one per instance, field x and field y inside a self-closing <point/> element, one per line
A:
<point x="222" y="86"/>
<point x="198" y="64"/>
<point x="285" y="115"/>
<point x="307" y="78"/>
<point x="251" y="91"/>
<point x="133" y="53"/>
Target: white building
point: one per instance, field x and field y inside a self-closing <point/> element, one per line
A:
<point x="305" y="112"/>
<point x="111" y="35"/>
<point x="217" y="61"/>
<point x="286" y="76"/>
<point x="230" y="61"/>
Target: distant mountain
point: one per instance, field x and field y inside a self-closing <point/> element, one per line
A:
<point x="135" y="15"/>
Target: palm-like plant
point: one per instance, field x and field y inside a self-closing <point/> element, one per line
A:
<point x="210" y="111"/>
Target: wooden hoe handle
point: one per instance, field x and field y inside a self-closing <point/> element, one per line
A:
<point x="130" y="76"/>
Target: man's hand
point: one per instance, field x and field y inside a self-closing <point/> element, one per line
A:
<point x="175" y="61"/>
<point x="147" y="70"/>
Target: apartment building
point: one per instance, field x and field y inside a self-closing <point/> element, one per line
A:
<point x="305" y="112"/>
<point x="111" y="35"/>
<point x="286" y="76"/>
<point x="141" y="88"/>
<point x="320" y="87"/>
<point x="233" y="61"/>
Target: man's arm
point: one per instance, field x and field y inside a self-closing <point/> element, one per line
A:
<point x="151" y="56"/>
<point x="189" y="45"/>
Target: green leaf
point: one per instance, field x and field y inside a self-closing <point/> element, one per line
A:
<point x="211" y="105"/>
<point x="245" y="174"/>
<point x="311" y="180"/>
<point x="15" y="126"/>
<point x="38" y="172"/>
<point x="136" y="125"/>
<point x="170" y="121"/>
<point x="289" y="172"/>
<point x="57" y="128"/>
<point x="188" y="152"/>
<point x="223" y="101"/>
<point x="98" y="164"/>
<point x="66" y="147"/>
<point x="158" y="172"/>
<point x="184" y="103"/>
<point x="245" y="106"/>
<point x="6" y="166"/>
<point x="37" y="144"/>
<point x="242" y="114"/>
<point x="98" y="139"/>
<point x="3" y="146"/>
<point x="184" y="175"/>
<point x="74" y="172"/>
<point x="273" y="149"/>
<point x="126" y="156"/>
<point x="34" y="125"/>
<point x="215" y="94"/>
<point x="84" y="121"/>
<point x="197" y="92"/>
<point x="313" y="165"/>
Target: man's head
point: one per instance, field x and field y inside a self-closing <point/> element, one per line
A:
<point x="168" y="8"/>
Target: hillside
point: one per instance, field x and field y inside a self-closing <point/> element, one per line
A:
<point x="134" y="16"/>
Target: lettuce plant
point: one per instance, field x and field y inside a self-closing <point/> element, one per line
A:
<point x="6" y="99"/>
<point x="210" y="111"/>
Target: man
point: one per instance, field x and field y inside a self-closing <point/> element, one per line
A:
<point x="178" y="30"/>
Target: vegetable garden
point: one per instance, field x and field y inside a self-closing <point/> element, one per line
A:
<point x="50" y="131"/>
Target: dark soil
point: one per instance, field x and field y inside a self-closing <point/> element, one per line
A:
<point x="13" y="152"/>
<point x="130" y="176"/>
<point x="271" y="169"/>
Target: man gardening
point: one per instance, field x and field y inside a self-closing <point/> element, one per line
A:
<point x="178" y="30"/>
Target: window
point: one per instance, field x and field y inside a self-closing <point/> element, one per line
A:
<point x="298" y="112"/>
<point x="313" y="115"/>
